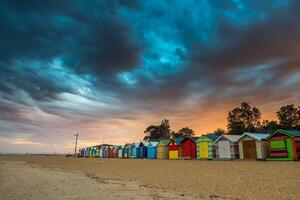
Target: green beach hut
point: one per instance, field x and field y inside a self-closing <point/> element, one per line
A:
<point x="284" y="145"/>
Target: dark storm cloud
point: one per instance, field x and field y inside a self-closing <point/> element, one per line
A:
<point x="67" y="64"/>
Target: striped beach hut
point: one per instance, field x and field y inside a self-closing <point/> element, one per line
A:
<point x="162" y="149"/>
<point x="126" y="150"/>
<point x="188" y="146"/>
<point x="143" y="149"/>
<point x="284" y="145"/>
<point x="252" y="146"/>
<point x="174" y="148"/>
<point x="227" y="147"/>
<point x="134" y="151"/>
<point x="152" y="150"/>
<point x="205" y="147"/>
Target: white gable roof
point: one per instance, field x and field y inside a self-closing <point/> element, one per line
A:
<point x="232" y="138"/>
<point x="256" y="136"/>
<point x="154" y="143"/>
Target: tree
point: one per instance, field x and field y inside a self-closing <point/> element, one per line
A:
<point x="289" y="117"/>
<point x="154" y="132"/>
<point x="269" y="126"/>
<point x="184" y="132"/>
<point x="218" y="131"/>
<point x="244" y="118"/>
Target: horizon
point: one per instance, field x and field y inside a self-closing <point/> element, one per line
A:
<point x="109" y="69"/>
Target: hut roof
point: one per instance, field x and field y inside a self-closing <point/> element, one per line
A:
<point x="291" y="133"/>
<point x="213" y="137"/>
<point x="128" y="145"/>
<point x="164" y="142"/>
<point x="178" y="140"/>
<point x="232" y="138"/>
<point x="154" y="144"/>
<point x="145" y="143"/>
<point x="190" y="138"/>
<point x="256" y="136"/>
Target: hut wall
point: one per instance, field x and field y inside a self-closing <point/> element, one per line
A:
<point x="204" y="149"/>
<point x="188" y="149"/>
<point x="173" y="151"/>
<point x="162" y="152"/>
<point x="260" y="148"/>
<point x="152" y="152"/>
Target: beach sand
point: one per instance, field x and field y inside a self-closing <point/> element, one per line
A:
<point x="57" y="177"/>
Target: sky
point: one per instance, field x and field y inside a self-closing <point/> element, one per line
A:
<point x="108" y="69"/>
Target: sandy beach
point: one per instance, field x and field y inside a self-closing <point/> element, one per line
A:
<point x="50" y="177"/>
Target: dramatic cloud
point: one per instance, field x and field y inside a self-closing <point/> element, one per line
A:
<point x="108" y="69"/>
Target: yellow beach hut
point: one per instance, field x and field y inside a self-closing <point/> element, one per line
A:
<point x="205" y="146"/>
<point x="162" y="149"/>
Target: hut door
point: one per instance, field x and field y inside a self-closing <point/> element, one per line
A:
<point x="203" y="149"/>
<point x="224" y="149"/>
<point x="249" y="149"/>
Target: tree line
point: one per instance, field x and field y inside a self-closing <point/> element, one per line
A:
<point x="245" y="118"/>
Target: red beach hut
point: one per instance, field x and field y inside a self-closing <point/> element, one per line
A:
<point x="114" y="152"/>
<point x="189" y="148"/>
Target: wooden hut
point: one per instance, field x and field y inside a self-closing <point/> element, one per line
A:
<point x="174" y="148"/>
<point x="252" y="146"/>
<point x="126" y="150"/>
<point x="205" y="147"/>
<point x="162" y="149"/>
<point x="188" y="146"/>
<point x="152" y="150"/>
<point x="134" y="151"/>
<point x="227" y="147"/>
<point x="284" y="145"/>
<point x="143" y="149"/>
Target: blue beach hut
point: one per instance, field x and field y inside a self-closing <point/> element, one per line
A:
<point x="143" y="149"/>
<point x="126" y="150"/>
<point x="152" y="150"/>
<point x="134" y="150"/>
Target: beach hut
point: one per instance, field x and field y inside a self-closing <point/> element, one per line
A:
<point x="162" y="149"/>
<point x="205" y="147"/>
<point x="94" y="151"/>
<point x="134" y="151"/>
<point x="143" y="149"/>
<point x="227" y="147"/>
<point x="152" y="150"/>
<point x="86" y="152"/>
<point x="106" y="152"/>
<point x="120" y="151"/>
<point x="284" y="145"/>
<point x="126" y="150"/>
<point x="114" y="152"/>
<point x="252" y="146"/>
<point x="188" y="146"/>
<point x="174" y="148"/>
<point x="102" y="151"/>
<point x="98" y="151"/>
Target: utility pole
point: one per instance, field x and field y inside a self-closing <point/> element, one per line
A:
<point x="76" y="144"/>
